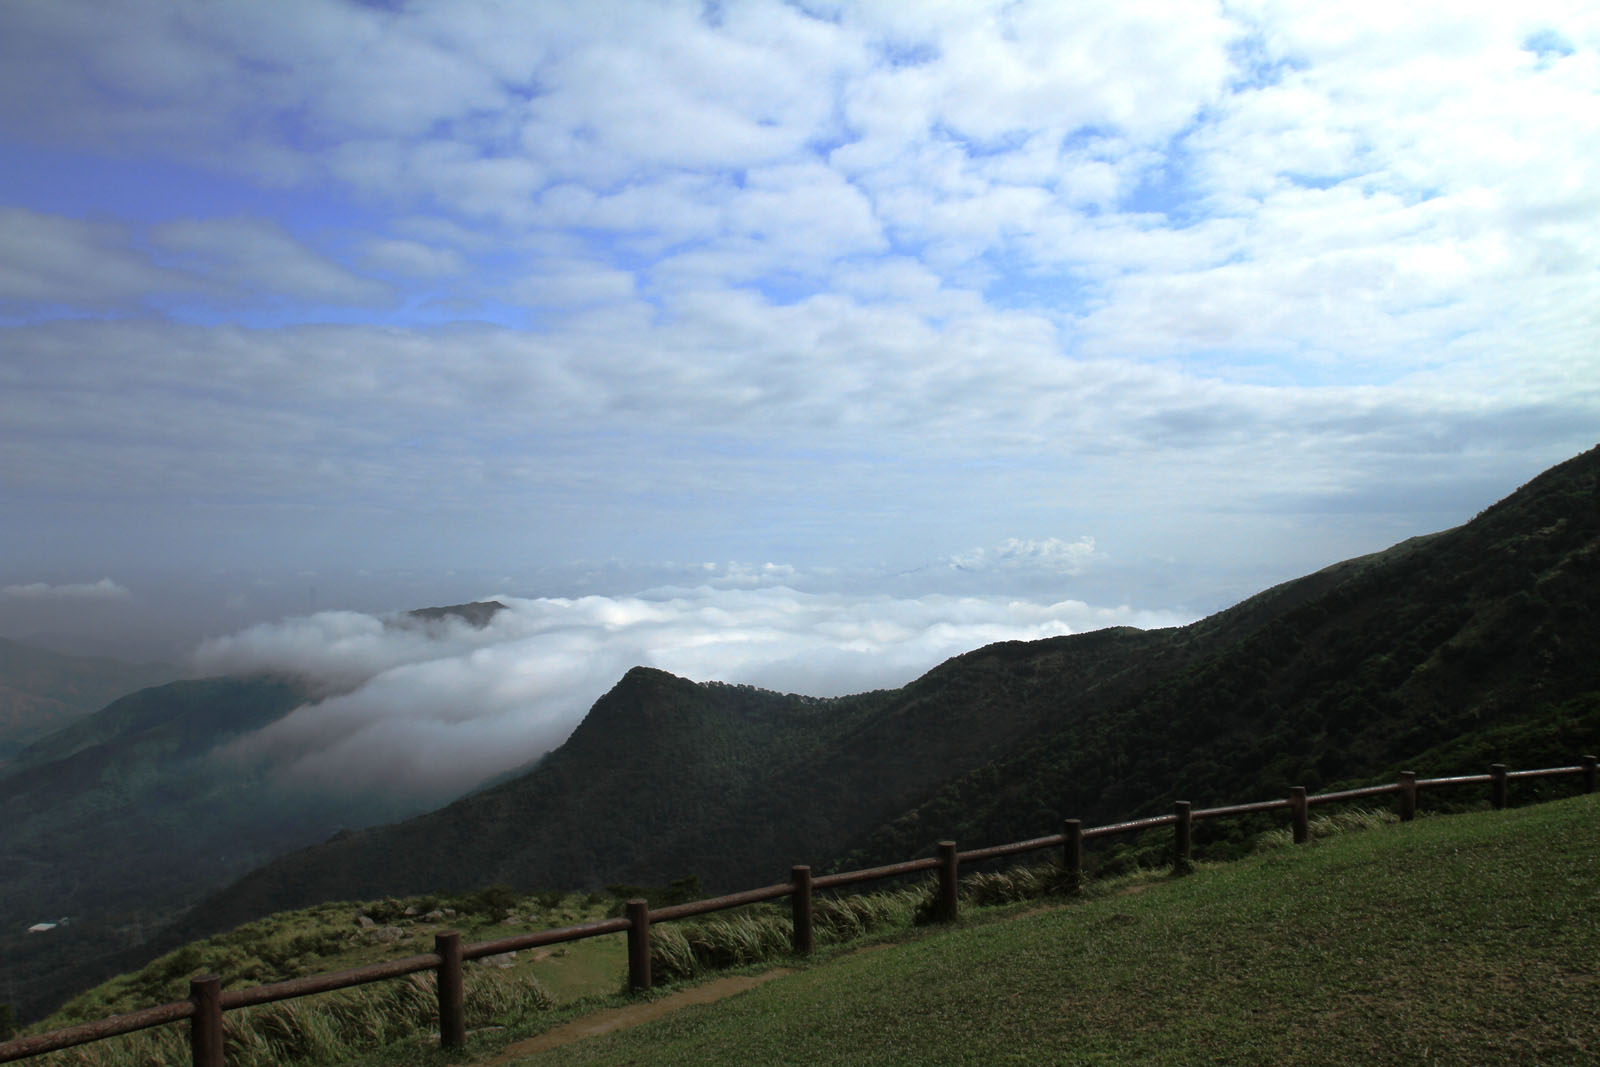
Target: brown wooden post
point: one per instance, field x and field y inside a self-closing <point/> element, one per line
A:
<point x="1588" y="773"/>
<point x="1072" y="853"/>
<point x="639" y="945"/>
<point x="452" y="990"/>
<point x="1497" y="785"/>
<point x="1299" y="812"/>
<point x="205" y="1026"/>
<point x="949" y="882"/>
<point x="1408" y="795"/>
<point x="800" y="905"/>
<point x="1181" y="837"/>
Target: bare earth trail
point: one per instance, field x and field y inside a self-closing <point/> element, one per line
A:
<point x="630" y="1015"/>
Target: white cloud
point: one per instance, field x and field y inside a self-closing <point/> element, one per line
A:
<point x="435" y="712"/>
<point x="104" y="589"/>
<point x="1049" y="554"/>
<point x="413" y="258"/>
<point x="571" y="284"/>
<point x="260" y="256"/>
<point x="52" y="260"/>
<point x="727" y="283"/>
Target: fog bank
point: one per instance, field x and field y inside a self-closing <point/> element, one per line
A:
<point x="431" y="711"/>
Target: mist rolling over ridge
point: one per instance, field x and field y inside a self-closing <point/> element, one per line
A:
<point x="431" y="711"/>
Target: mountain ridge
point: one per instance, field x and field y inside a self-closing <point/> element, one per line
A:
<point x="1017" y="734"/>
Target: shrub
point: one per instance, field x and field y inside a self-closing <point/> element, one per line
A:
<point x="492" y="902"/>
<point x="325" y="1029"/>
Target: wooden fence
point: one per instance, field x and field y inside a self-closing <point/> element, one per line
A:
<point x="208" y="1000"/>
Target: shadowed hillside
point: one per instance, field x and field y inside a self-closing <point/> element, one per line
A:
<point x="42" y="691"/>
<point x="1488" y="629"/>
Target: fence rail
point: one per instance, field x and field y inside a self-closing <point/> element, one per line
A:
<point x="208" y="1001"/>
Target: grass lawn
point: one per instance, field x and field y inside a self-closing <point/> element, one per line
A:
<point x="595" y="966"/>
<point x="1465" y="939"/>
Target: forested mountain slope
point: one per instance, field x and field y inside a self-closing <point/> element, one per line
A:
<point x="1491" y="629"/>
<point x="666" y="777"/>
<point x="124" y="819"/>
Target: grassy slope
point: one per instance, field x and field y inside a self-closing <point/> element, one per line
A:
<point x="1470" y="939"/>
<point x="326" y="938"/>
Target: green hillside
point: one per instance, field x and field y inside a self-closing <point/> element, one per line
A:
<point x="1461" y="939"/>
<point x="1485" y="631"/>
<point x="123" y="819"/>
<point x="71" y="842"/>
<point x="42" y="691"/>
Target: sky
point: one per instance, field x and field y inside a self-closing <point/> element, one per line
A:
<point x="898" y="316"/>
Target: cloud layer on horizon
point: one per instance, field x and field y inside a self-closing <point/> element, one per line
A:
<point x="104" y="589"/>
<point x="426" y="712"/>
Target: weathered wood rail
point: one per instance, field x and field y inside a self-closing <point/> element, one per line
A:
<point x="208" y="1001"/>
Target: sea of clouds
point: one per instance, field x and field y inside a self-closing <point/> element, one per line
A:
<point x="428" y="711"/>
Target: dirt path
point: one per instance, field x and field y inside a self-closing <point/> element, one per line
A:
<point x="631" y="1015"/>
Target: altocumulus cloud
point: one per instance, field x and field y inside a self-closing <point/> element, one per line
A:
<point x="428" y="712"/>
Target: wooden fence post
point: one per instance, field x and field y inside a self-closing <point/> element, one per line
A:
<point x="205" y="1026"/>
<point x="1181" y="837"/>
<point x="1072" y="853"/>
<point x="1299" y="813"/>
<point x="1588" y="773"/>
<point x="1497" y="785"/>
<point x="949" y="882"/>
<point x="800" y="906"/>
<point x="1408" y="795"/>
<point x="452" y="990"/>
<point x="639" y="945"/>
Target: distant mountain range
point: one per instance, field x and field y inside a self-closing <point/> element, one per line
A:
<point x="43" y="691"/>
<point x="1447" y="651"/>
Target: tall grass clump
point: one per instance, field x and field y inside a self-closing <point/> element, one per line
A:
<point x="681" y="950"/>
<point x="325" y="1028"/>
<point x="837" y="919"/>
<point x="1338" y="822"/>
<point x="1033" y="882"/>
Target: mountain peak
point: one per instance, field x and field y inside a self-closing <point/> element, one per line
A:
<point x="477" y="614"/>
<point x="643" y="694"/>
